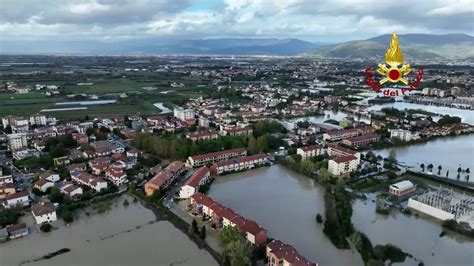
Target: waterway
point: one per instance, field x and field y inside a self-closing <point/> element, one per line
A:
<point x="449" y="152"/>
<point x="121" y="236"/>
<point x="285" y="203"/>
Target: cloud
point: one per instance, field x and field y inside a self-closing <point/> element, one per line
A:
<point x="323" y="20"/>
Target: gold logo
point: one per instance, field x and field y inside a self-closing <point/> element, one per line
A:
<point x="394" y="59"/>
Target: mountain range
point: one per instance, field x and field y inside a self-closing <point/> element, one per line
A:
<point x="417" y="46"/>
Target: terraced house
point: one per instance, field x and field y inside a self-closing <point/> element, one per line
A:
<point x="203" y="159"/>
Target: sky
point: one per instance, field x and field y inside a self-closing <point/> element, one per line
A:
<point x="312" y="20"/>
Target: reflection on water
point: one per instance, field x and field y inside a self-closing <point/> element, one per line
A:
<point x="449" y="152"/>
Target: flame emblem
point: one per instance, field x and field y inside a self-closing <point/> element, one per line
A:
<point x="394" y="58"/>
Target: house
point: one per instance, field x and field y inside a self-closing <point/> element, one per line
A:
<point x="342" y="165"/>
<point x="81" y="138"/>
<point x="222" y="216"/>
<point x="44" y="212"/>
<point x="237" y="131"/>
<point x="202" y="135"/>
<point x="335" y="150"/>
<point x="238" y="164"/>
<point x="83" y="178"/>
<point x="61" y="161"/>
<point x="203" y="159"/>
<point x="362" y="140"/>
<point x="7" y="189"/>
<point x="17" y="199"/>
<point x="17" y="230"/>
<point x="279" y="253"/>
<point x="164" y="178"/>
<point x="309" y="151"/>
<point x="50" y="176"/>
<point x="70" y="190"/>
<point x="347" y="133"/>
<point x="99" y="166"/>
<point x="116" y="175"/>
<point x="404" y="135"/>
<point x="43" y="185"/>
<point x="199" y="178"/>
<point x="6" y="179"/>
<point x="401" y="188"/>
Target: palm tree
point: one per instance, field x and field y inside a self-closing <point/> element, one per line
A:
<point x="439" y="169"/>
<point x="422" y="167"/>
<point x="430" y="167"/>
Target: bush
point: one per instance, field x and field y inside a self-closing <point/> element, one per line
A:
<point x="319" y="218"/>
<point x="46" y="228"/>
<point x="68" y="217"/>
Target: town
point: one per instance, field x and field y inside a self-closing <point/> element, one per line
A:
<point x="76" y="142"/>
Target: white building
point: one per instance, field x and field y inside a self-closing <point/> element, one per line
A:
<point x="199" y="178"/>
<point x="89" y="180"/>
<point x="50" y="176"/>
<point x="183" y="114"/>
<point x="17" y="199"/>
<point x="38" y="119"/>
<point x="17" y="141"/>
<point x="404" y="135"/>
<point x="6" y="179"/>
<point x="343" y="165"/>
<point x="44" y="212"/>
<point x="309" y="151"/>
<point x="401" y="188"/>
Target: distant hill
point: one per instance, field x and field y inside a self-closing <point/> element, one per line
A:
<point x="417" y="46"/>
<point x="229" y="46"/>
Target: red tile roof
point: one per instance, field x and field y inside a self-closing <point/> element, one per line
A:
<point x="242" y="159"/>
<point x="194" y="180"/>
<point x="167" y="173"/>
<point x="288" y="253"/>
<point x="17" y="195"/>
<point x="311" y="148"/>
<point x="217" y="154"/>
<point x="345" y="158"/>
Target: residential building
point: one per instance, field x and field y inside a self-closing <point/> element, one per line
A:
<point x="342" y="165"/>
<point x="238" y="164"/>
<point x="347" y="133"/>
<point x="50" y="176"/>
<point x="7" y="189"/>
<point x="44" y="212"/>
<point x="202" y="135"/>
<point x="38" y="119"/>
<point x="279" y="253"/>
<point x="70" y="190"/>
<point x="335" y="150"/>
<point x="164" y="178"/>
<point x="116" y="175"/>
<point x="6" y="179"/>
<point x="17" y="199"/>
<point x="203" y="159"/>
<point x="17" y="230"/>
<point x="17" y="141"/>
<point x="404" y="135"/>
<point x="401" y="188"/>
<point x="362" y="140"/>
<point x="86" y="179"/>
<point x="43" y="185"/>
<point x="183" y="114"/>
<point x="62" y="161"/>
<point x="237" y="131"/>
<point x="309" y="151"/>
<point x="200" y="177"/>
<point x="81" y="138"/>
<point x="222" y="216"/>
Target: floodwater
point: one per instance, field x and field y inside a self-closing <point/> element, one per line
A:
<point x="415" y="235"/>
<point x="449" y="152"/>
<point x="285" y="204"/>
<point x="467" y="116"/>
<point x="121" y="236"/>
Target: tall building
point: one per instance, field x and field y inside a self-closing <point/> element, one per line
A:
<point x="38" y="119"/>
<point x="183" y="114"/>
<point x="404" y="135"/>
<point x="17" y="141"/>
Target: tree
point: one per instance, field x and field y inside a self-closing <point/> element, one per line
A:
<point x="9" y="216"/>
<point x="422" y="167"/>
<point x="235" y="249"/>
<point x="392" y="158"/>
<point x="459" y="171"/>
<point x="439" y="169"/>
<point x="319" y="218"/>
<point x="202" y="233"/>
<point x="56" y="196"/>
<point x="194" y="227"/>
<point x="68" y="217"/>
<point x="8" y="129"/>
<point x="46" y="228"/>
<point x="430" y="167"/>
